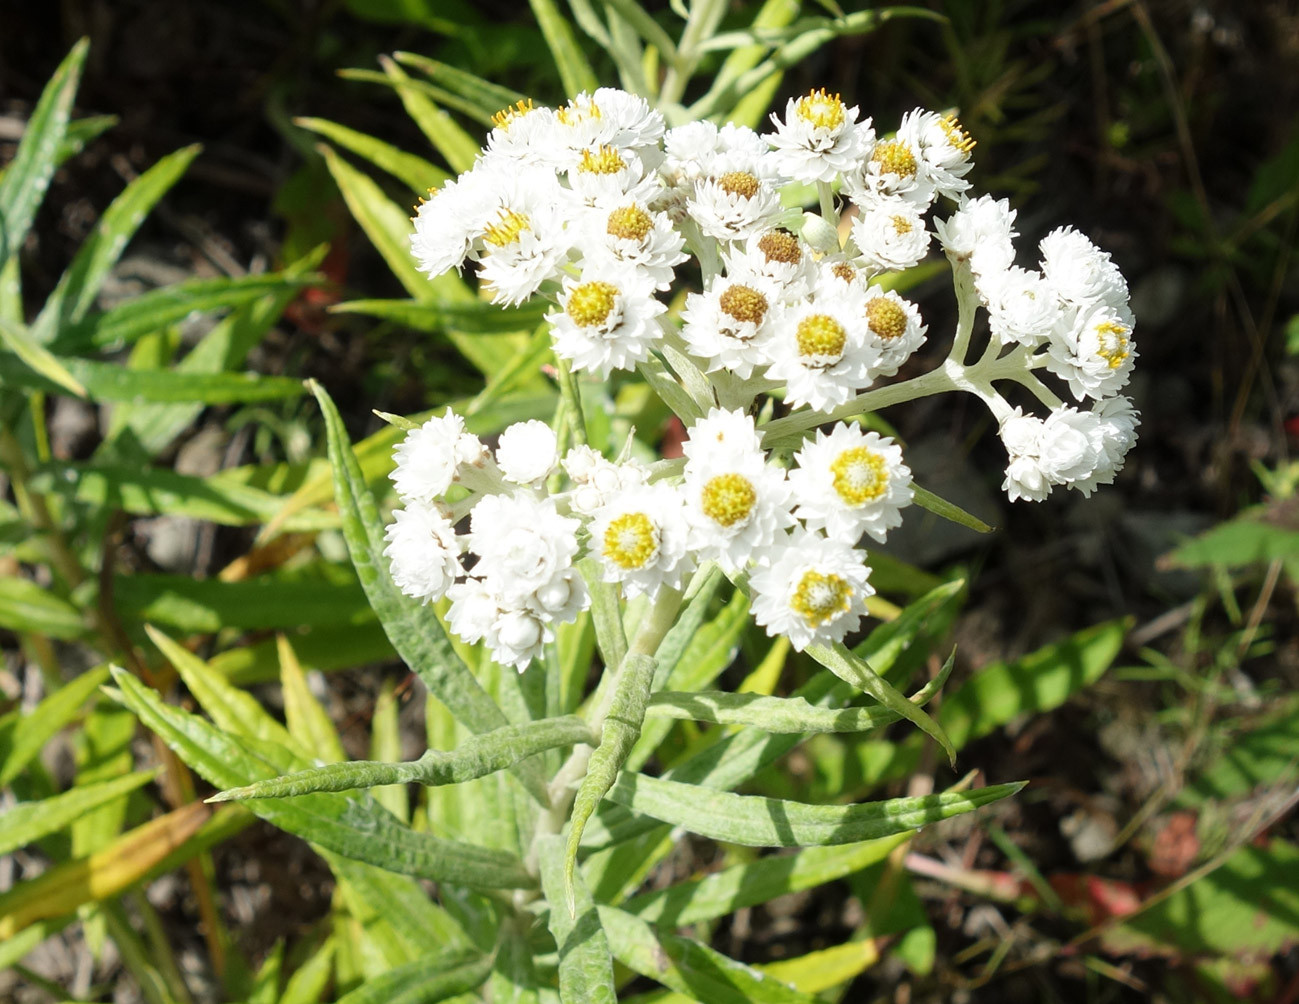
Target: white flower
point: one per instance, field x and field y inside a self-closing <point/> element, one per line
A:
<point x="891" y="235"/>
<point x="820" y="350"/>
<point x="943" y="146"/>
<point x="522" y="543"/>
<point x="1092" y="349"/>
<point x="517" y="637"/>
<point x="737" y="199"/>
<point x="514" y="635"/>
<point x="603" y="173"/>
<point x="775" y="260"/>
<point x="735" y="501"/>
<point x="474" y="609"/>
<point x="980" y="232"/>
<point x="527" y="452"/>
<point x="429" y="458"/>
<point x="423" y="551"/>
<point x="525" y="242"/>
<point x="1021" y="306"/>
<point x="524" y="132"/>
<point x="640" y="539"/>
<point x="608" y="319"/>
<point x="1079" y="272"/>
<point x="851" y="482"/>
<point x="730" y="325"/>
<point x="894" y="330"/>
<point x="1065" y="448"/>
<point x="820" y="137"/>
<point x="813" y="591"/>
<point x="894" y="169"/>
<point x="449" y="224"/>
<point x="562" y="598"/>
<point x="609" y="117"/>
<point x="597" y="480"/>
<point x="629" y="233"/>
<point x="1114" y="435"/>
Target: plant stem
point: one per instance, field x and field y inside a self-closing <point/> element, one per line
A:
<point x="572" y="397"/>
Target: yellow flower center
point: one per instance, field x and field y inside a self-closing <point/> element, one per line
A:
<point x="886" y="318"/>
<point x="859" y="476"/>
<point x="819" y="598"/>
<point x="955" y="133"/>
<point x="503" y="119"/>
<point x="728" y="499"/>
<point x="821" y="335"/>
<point x="820" y="110"/>
<point x="590" y="304"/>
<point x="631" y="541"/>
<point x="630" y="223"/>
<point x="507" y="228"/>
<point x="740" y="183"/>
<point x="844" y="272"/>
<point x="902" y="225"/>
<point x="1113" y="347"/>
<point x="894" y="157"/>
<point x="572" y="114"/>
<point x="605" y="160"/>
<point x="744" y="304"/>
<point x="780" y="246"/>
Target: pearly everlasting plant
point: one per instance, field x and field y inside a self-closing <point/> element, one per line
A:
<point x="753" y="283"/>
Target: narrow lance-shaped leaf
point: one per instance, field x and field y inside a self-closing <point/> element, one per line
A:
<point x="948" y="510"/>
<point x="721" y="893"/>
<point x="417" y="173"/>
<point x="30" y="821"/>
<point x="112" y="382"/>
<point x="356" y="828"/>
<point x="18" y="339"/>
<point x="414" y="632"/>
<point x="424" y="981"/>
<point x="853" y="669"/>
<point x="780" y="714"/>
<point x="476" y="757"/>
<point x="456" y="145"/>
<point x="23" y="736"/>
<point x="471" y="318"/>
<point x="486" y="97"/>
<point x="691" y="967"/>
<point x="574" y="70"/>
<point x="585" y="964"/>
<point x="25" y="179"/>
<point x="620" y="731"/>
<point x="79" y="285"/>
<point x="756" y="821"/>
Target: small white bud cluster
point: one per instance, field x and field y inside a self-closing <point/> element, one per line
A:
<point x="595" y="206"/>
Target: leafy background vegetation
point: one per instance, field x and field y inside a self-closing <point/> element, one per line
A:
<point x="169" y="507"/>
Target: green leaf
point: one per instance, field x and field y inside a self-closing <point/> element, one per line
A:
<point x="206" y="606"/>
<point x="690" y="967"/>
<point x="1256" y="536"/>
<point x="309" y="980"/>
<point x="855" y="670"/>
<point x="414" y="631"/>
<point x="25" y="606"/>
<point x="80" y="132"/>
<point x="481" y="98"/>
<point x="772" y="822"/>
<point x="721" y="893"/>
<point x="618" y="735"/>
<point x="149" y="312"/>
<point x="1038" y="682"/>
<point x="948" y="510"/>
<point x="418" y="174"/>
<point x="387" y="226"/>
<point x="478" y="756"/>
<point x="75" y="293"/>
<point x="305" y="719"/>
<point x="113" y="382"/>
<point x="574" y="70"/>
<point x="771" y="714"/>
<point x="18" y="340"/>
<point x="585" y="964"/>
<point x="1256" y="753"/>
<point x="23" y="735"/>
<point x="424" y="981"/>
<point x="155" y="491"/>
<point x="354" y="828"/>
<point x="29" y="821"/>
<point x="458" y="148"/>
<point x="478" y="318"/>
<point x="25" y="179"/>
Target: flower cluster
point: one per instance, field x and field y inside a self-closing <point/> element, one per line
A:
<point x="596" y="206"/>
